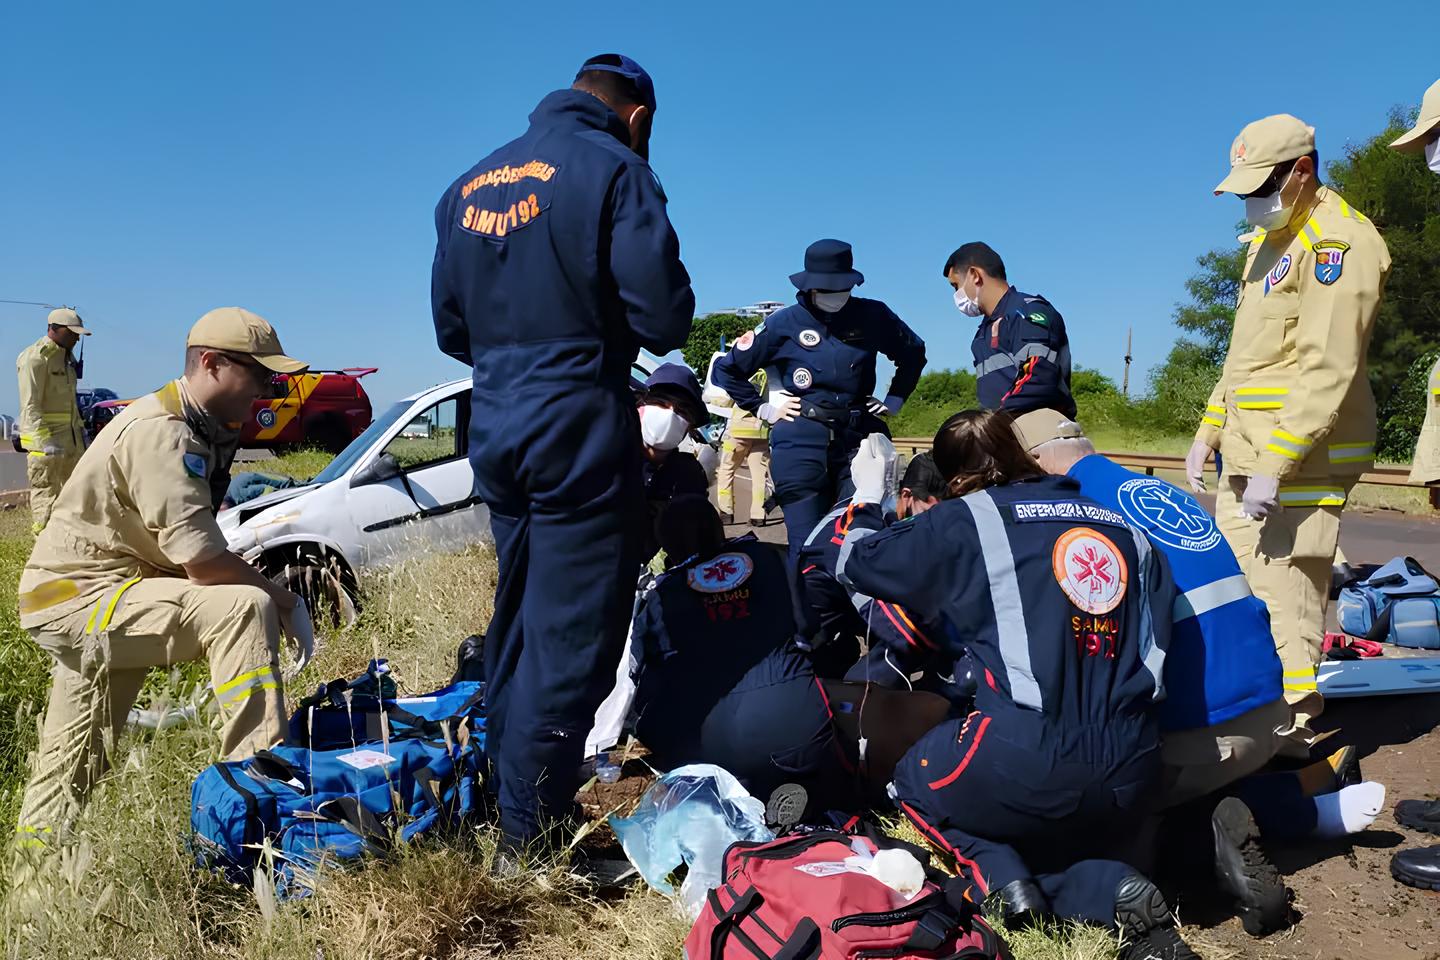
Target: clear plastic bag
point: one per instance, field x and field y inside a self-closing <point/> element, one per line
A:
<point x="690" y="816"/>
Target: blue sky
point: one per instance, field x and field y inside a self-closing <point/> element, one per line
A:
<point x="157" y="160"/>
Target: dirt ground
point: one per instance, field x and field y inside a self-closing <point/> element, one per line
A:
<point x="1349" y="904"/>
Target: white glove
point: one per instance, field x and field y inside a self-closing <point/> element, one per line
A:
<point x="873" y="469"/>
<point x="787" y="409"/>
<point x="297" y="626"/>
<point x="1261" y="497"/>
<point x="1195" y="465"/>
<point x="876" y="408"/>
<point x="50" y="450"/>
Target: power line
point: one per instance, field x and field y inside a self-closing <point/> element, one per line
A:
<point x="31" y="303"/>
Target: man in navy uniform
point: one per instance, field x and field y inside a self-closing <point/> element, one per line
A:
<point x="824" y="348"/>
<point x="555" y="262"/>
<point x="1022" y="355"/>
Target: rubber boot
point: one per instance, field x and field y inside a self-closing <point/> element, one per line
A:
<point x="1244" y="871"/>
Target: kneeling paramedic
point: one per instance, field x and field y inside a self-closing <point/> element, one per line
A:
<point x="132" y="572"/>
<point x="1065" y="610"/>
<point x="670" y="409"/>
<point x="896" y="644"/>
<point x="824" y="349"/>
<point x="719" y="677"/>
<point x="554" y="263"/>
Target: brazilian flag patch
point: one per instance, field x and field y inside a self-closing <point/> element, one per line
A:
<point x="1039" y="319"/>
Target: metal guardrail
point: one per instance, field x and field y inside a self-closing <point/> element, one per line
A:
<point x="1150" y="462"/>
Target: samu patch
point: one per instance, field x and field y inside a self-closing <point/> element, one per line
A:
<point x="1090" y="570"/>
<point x="746" y="341"/>
<point x="722" y="574"/>
<point x="195" y="465"/>
<point x="1330" y="260"/>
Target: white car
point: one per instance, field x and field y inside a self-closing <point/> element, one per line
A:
<point x="401" y="488"/>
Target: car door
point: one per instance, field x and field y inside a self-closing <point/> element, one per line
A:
<point x="428" y="505"/>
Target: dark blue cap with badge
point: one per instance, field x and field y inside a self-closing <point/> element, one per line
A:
<point x="829" y="265"/>
<point x="623" y="65"/>
<point x="676" y="383"/>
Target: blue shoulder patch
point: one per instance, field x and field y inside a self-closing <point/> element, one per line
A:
<point x="195" y="465"/>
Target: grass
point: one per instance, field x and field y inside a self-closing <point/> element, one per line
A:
<point x="301" y="464"/>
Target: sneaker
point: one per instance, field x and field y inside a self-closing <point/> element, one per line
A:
<point x="786" y="807"/>
<point x="1162" y="943"/>
<point x="1140" y="907"/>
<point x="1245" y="872"/>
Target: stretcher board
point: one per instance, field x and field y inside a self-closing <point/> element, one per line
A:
<point x="1381" y="676"/>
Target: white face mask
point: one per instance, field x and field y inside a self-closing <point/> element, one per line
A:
<point x="966" y="305"/>
<point x="830" y="302"/>
<point x="662" y="428"/>
<point x="1432" y="154"/>
<point x="1270" y="212"/>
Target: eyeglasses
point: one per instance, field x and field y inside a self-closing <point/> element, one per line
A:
<point x="1272" y="182"/>
<point x="258" y="371"/>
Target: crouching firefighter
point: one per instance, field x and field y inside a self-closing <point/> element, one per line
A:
<point x="1065" y="610"/>
<point x="132" y="572"/>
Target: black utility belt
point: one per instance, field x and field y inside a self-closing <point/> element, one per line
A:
<point x="832" y="416"/>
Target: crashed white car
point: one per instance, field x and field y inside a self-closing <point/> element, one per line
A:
<point x="401" y="488"/>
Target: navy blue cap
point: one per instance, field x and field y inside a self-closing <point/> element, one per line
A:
<point x="623" y="65"/>
<point x="676" y="383"/>
<point x="829" y="265"/>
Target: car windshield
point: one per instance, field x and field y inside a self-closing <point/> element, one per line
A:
<point x="347" y="457"/>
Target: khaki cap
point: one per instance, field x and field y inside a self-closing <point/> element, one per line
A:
<point x="1414" y="140"/>
<point x="240" y="331"/>
<point x="65" y="317"/>
<point x="1261" y="147"/>
<point x="1042" y="426"/>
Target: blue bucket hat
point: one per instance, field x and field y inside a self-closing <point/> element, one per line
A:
<point x="676" y="383"/>
<point x="829" y="265"/>
<point x="623" y="65"/>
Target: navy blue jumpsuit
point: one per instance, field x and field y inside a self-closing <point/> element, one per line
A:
<point x="828" y="361"/>
<point x="900" y="644"/>
<point x="1066" y="611"/>
<point x="554" y="263"/>
<point x="1022" y="357"/>
<point x="720" y="679"/>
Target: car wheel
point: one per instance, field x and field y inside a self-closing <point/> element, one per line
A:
<point x="320" y="583"/>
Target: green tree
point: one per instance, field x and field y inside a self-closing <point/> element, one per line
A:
<point x="704" y="339"/>
<point x="1214" y="290"/>
<point x="1400" y="194"/>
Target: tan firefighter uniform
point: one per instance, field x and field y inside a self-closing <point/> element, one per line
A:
<point x="1420" y="139"/>
<point x="51" y="429"/>
<point x="1293" y="402"/>
<point x="106" y="595"/>
<point x="747" y="440"/>
<point x="1426" y="466"/>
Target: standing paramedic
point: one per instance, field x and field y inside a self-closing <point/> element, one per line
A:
<point x="1021" y="350"/>
<point x="1292" y="414"/>
<point x="555" y="262"/>
<point x="824" y="347"/>
<point x="52" y="431"/>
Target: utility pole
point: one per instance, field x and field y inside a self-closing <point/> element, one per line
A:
<point x="1125" y="388"/>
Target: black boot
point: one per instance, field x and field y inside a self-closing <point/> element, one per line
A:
<point x="1022" y="904"/>
<point x="1245" y="872"/>
<point x="1422" y="815"/>
<point x="1419" y="867"/>
<point x="727" y="518"/>
<point x="1146" y="925"/>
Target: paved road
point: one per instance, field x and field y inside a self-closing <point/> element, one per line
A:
<point x="1370" y="537"/>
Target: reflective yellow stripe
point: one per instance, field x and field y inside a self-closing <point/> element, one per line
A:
<point x="245" y="694"/>
<point x="1287" y="435"/>
<point x="1211" y="408"/>
<point x="1344" y="208"/>
<point x="1260" y="398"/>
<point x="1312" y="496"/>
<point x="1212" y="421"/>
<point x="98" y="621"/>
<point x="1351" y="452"/>
<point x="1310" y="234"/>
<point x="224" y="687"/>
<point x="28" y="836"/>
<point x="48" y="595"/>
<point x="1306" y="686"/>
<point x="1251" y="391"/>
<point x="1260" y="405"/>
<point x="1283" y="451"/>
